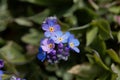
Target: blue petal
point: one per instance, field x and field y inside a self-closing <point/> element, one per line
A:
<point x="64" y="41"/>
<point x="1" y="72"/>
<point x="45" y="27"/>
<point x="71" y="36"/>
<point x="40" y="50"/>
<point x="76" y="49"/>
<point x="54" y="38"/>
<point x="51" y="20"/>
<point x="56" y="27"/>
<point x="47" y="34"/>
<point x="51" y="23"/>
<point x="76" y="42"/>
<point x="50" y="41"/>
<point x="41" y="56"/>
<point x="58" y="33"/>
<point x="65" y="37"/>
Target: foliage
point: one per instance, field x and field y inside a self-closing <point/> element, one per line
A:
<point x="96" y="24"/>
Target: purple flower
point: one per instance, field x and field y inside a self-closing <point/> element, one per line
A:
<point x="1" y="63"/>
<point x="52" y="57"/>
<point x="73" y="43"/>
<point x="60" y="37"/>
<point x="60" y="45"/>
<point x="41" y="55"/>
<point x="50" y="26"/>
<point x="47" y="45"/>
<point x="63" y="53"/>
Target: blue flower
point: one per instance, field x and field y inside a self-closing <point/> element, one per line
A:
<point x="57" y="45"/>
<point x="47" y="45"/>
<point x="60" y="37"/>
<point x="41" y="55"/>
<point x="73" y="43"/>
<point x="1" y="73"/>
<point x="50" y="26"/>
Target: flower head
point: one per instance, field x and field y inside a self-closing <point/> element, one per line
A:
<point x="50" y="26"/>
<point x="60" y="37"/>
<point x="73" y="43"/>
<point x="57" y="45"/>
<point x="47" y="45"/>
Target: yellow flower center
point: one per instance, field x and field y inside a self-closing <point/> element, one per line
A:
<point x="51" y="29"/>
<point x="50" y="45"/>
<point x="60" y="39"/>
<point x="71" y="44"/>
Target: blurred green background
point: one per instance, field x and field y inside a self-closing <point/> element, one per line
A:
<point x="96" y="23"/>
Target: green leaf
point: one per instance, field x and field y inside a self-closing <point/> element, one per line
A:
<point x="99" y="45"/>
<point x="2" y="27"/>
<point x="104" y="28"/>
<point x="90" y="35"/>
<point x="85" y="15"/>
<point x="52" y="78"/>
<point x="77" y="4"/>
<point x="23" y="22"/>
<point x="71" y="20"/>
<point x="12" y="53"/>
<point x="113" y="55"/>
<point x="67" y="76"/>
<point x="115" y="9"/>
<point x="64" y="27"/>
<point x="2" y="41"/>
<point x="6" y="77"/>
<point x="118" y="36"/>
<point x="99" y="61"/>
<point x="90" y="58"/>
<point x="51" y="67"/>
<point x="85" y="71"/>
<point x="48" y="2"/>
<point x="33" y="37"/>
<point x="114" y="76"/>
<point x="40" y="17"/>
<point x="4" y="15"/>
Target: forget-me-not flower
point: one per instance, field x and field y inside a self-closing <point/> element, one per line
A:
<point x="50" y="26"/>
<point x="60" y="37"/>
<point x="47" y="45"/>
<point x="56" y="45"/>
<point x="73" y="43"/>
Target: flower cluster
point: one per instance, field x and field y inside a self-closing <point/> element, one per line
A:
<point x="56" y="45"/>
